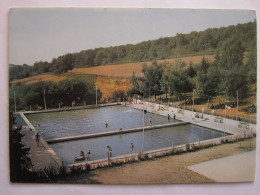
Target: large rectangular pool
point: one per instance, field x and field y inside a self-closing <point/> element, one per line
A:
<point x="86" y="121"/>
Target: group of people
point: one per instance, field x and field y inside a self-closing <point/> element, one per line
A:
<point x="169" y="117"/>
<point x="88" y="154"/>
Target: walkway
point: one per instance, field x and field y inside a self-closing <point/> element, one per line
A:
<point x="208" y="121"/>
<point x="237" y="168"/>
<point x="42" y="156"/>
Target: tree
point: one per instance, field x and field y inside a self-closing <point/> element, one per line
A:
<point x="64" y="63"/>
<point x="207" y="82"/>
<point x="17" y="151"/>
<point x="153" y="75"/>
<point x="251" y="66"/>
<point x="231" y="68"/>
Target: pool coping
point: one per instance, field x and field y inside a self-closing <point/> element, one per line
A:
<point x="110" y="133"/>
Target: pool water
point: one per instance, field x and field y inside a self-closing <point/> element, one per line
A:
<point x="120" y="144"/>
<point x="87" y="121"/>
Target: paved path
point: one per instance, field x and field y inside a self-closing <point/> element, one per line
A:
<point x="42" y="156"/>
<point x="228" y="125"/>
<point x="237" y="168"/>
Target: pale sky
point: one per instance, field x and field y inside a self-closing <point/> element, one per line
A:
<point x="44" y="34"/>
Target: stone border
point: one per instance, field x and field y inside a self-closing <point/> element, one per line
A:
<point x="109" y="133"/>
<point x="124" y="159"/>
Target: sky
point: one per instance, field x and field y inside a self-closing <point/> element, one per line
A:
<point x="41" y="34"/>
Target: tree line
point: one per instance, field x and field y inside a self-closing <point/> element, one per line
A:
<point x="64" y="93"/>
<point x="194" y="43"/>
<point x="233" y="70"/>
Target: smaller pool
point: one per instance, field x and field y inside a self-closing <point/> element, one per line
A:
<point x="154" y="139"/>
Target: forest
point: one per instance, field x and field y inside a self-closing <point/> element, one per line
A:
<point x="194" y="43"/>
<point x="230" y="73"/>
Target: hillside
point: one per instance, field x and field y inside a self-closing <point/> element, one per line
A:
<point x="195" y="43"/>
<point x="119" y="70"/>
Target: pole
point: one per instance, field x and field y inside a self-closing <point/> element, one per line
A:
<point x="193" y="101"/>
<point x="225" y="123"/>
<point x="44" y="99"/>
<point x="30" y="108"/>
<point x="59" y="105"/>
<point x="237" y="105"/>
<point x="14" y="102"/>
<point x="149" y="93"/>
<point x="96" y="94"/>
<point x="143" y="134"/>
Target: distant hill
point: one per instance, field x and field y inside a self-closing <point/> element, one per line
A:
<point x="195" y="43"/>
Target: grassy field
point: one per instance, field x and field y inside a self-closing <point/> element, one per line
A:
<point x="126" y="70"/>
<point x="39" y="78"/>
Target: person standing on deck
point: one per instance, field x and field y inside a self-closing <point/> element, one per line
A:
<point x="168" y="118"/>
<point x="37" y="138"/>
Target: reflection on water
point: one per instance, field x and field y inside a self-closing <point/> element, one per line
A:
<point x="154" y="139"/>
<point x="67" y="123"/>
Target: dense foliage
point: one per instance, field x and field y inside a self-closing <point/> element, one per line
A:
<point x="63" y="93"/>
<point x="231" y="72"/>
<point x="194" y="43"/>
<point x="17" y="151"/>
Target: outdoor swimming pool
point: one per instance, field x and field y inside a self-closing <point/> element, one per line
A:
<point x="153" y="139"/>
<point x="87" y="121"/>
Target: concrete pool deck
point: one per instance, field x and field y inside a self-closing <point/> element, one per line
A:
<point x="236" y="168"/>
<point x="208" y="121"/>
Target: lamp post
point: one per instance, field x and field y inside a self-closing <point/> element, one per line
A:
<point x="44" y="99"/>
<point x="193" y="101"/>
<point x="96" y="94"/>
<point x="237" y="106"/>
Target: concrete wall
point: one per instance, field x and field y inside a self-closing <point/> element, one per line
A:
<point x="152" y="154"/>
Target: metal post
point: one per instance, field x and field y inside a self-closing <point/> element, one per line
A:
<point x="30" y="108"/>
<point x="149" y="93"/>
<point x="44" y="99"/>
<point x="143" y="134"/>
<point x="193" y="101"/>
<point x="225" y="122"/>
<point x="96" y="94"/>
<point x="59" y="105"/>
<point x="237" y="105"/>
<point x="14" y="102"/>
